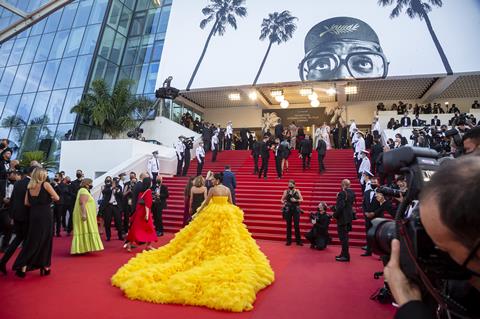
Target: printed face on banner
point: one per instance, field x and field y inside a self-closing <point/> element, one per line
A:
<point x="242" y="42"/>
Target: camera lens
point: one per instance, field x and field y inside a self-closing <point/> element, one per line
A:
<point x="380" y="235"/>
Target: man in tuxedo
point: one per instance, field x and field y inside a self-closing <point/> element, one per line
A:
<point x="72" y="195"/>
<point x="377" y="150"/>
<point x="127" y="199"/>
<point x="435" y="121"/>
<point x="230" y="181"/>
<point x="306" y="151"/>
<point x="19" y="213"/>
<point x="369" y="206"/>
<point x="206" y="135"/>
<point x="138" y="188"/>
<point x="405" y="121"/>
<point x="214" y="147"/>
<point x="278" y="153"/>
<point x="112" y="199"/>
<point x="265" y="154"/>
<point x="200" y="155"/>
<point x="417" y="121"/>
<point x="255" y="155"/>
<point x="343" y="214"/>
<point x="228" y="136"/>
<point x="4" y="169"/>
<point x="188" y="145"/>
<point x="243" y="138"/>
<point x="279" y="130"/>
<point x="321" y="151"/>
<point x="153" y="165"/>
<point x="180" y="151"/>
<point x="160" y="195"/>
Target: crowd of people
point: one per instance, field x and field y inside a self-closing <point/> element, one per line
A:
<point x="429" y="108"/>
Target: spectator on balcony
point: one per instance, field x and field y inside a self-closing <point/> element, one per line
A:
<point x="475" y="105"/>
<point x="435" y="121"/>
<point x="406" y="121"/>
<point x="417" y="121"/>
<point x="391" y="124"/>
<point x="454" y="109"/>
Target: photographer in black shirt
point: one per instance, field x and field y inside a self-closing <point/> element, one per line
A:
<point x="291" y="200"/>
<point x="318" y="236"/>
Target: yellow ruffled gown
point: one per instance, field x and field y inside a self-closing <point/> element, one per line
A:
<point x="212" y="262"/>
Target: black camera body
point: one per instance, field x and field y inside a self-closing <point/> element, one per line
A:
<point x="392" y="192"/>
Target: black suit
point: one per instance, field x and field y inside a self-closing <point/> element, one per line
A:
<point x="436" y="122"/>
<point x="377" y="151"/>
<point x="244" y="138"/>
<point x="321" y="151"/>
<point x="343" y="215"/>
<point x="417" y="122"/>
<point x="405" y="121"/>
<point x="4" y="168"/>
<point x="19" y="213"/>
<point x="73" y="190"/>
<point x="159" y="204"/>
<point x="369" y="205"/>
<point x="265" y="154"/>
<point x="279" y="131"/>
<point x="256" y="155"/>
<point x="112" y="210"/>
<point x="306" y="151"/>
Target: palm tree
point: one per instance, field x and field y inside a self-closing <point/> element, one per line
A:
<point x="278" y="27"/>
<point x="111" y="112"/>
<point x="223" y="13"/>
<point x="419" y="9"/>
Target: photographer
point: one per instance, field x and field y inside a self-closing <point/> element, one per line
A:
<point x="112" y="197"/>
<point x="188" y="145"/>
<point x="449" y="212"/>
<point x="318" y="236"/>
<point x="291" y="200"/>
<point x="343" y="213"/>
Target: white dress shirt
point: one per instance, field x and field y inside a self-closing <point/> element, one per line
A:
<point x="377" y="127"/>
<point x="200" y="154"/>
<point x="359" y="146"/>
<point x="364" y="165"/>
<point x="229" y="131"/>
<point x="214" y="141"/>
<point x="153" y="166"/>
<point x="353" y="126"/>
<point x="180" y="149"/>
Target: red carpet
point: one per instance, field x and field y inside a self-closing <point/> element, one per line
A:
<point x="309" y="284"/>
<point x="260" y="199"/>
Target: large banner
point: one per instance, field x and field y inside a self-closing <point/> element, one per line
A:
<point x="215" y="43"/>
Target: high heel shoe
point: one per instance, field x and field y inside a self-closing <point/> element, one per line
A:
<point x="44" y="272"/>
<point x="20" y="274"/>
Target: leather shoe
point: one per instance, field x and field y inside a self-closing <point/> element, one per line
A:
<point x="300" y="244"/>
<point x="366" y="254"/>
<point x="288" y="243"/>
<point x="364" y="247"/>
<point x="342" y="259"/>
<point x="3" y="268"/>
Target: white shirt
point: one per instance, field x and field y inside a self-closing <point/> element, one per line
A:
<point x="200" y="154"/>
<point x="364" y="165"/>
<point x="359" y="146"/>
<point x="153" y="166"/>
<point x="353" y="126"/>
<point x="368" y="186"/>
<point x="214" y="142"/>
<point x="180" y="149"/>
<point x="318" y="132"/>
<point x="377" y="127"/>
<point x="229" y="131"/>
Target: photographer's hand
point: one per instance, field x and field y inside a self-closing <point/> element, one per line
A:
<point x="402" y="289"/>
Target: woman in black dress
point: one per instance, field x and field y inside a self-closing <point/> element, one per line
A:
<point x="37" y="249"/>
<point x="198" y="193"/>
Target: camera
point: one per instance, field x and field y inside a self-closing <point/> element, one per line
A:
<point x="136" y="133"/>
<point x="420" y="260"/>
<point x="388" y="191"/>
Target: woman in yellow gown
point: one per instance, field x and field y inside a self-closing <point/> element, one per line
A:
<point x="212" y="262"/>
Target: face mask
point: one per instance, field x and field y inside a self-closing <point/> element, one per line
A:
<point x="56" y="180"/>
<point x="374" y="186"/>
<point x="108" y="182"/>
<point x="89" y="187"/>
<point x="291" y="187"/>
<point x="79" y="175"/>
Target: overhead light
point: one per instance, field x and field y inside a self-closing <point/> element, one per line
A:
<point x="306" y="91"/>
<point x="313" y="96"/>
<point x="331" y="91"/>
<point x="234" y="96"/>
<point x="252" y="96"/>
<point x="351" y="89"/>
<point x="280" y="98"/>
<point x="284" y="104"/>
<point x="315" y="103"/>
<point x="446" y="103"/>
<point x="276" y="92"/>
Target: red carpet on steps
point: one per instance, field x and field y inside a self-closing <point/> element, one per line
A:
<point x="308" y="284"/>
<point x="260" y="198"/>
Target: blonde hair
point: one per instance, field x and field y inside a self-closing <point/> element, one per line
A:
<point x="39" y="175"/>
<point x="209" y="174"/>
<point x="199" y="181"/>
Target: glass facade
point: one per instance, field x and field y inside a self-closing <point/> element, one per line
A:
<point x="45" y="70"/>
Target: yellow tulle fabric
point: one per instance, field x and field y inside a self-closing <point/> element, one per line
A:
<point x="212" y="262"/>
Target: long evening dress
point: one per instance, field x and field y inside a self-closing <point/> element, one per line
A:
<point x="212" y="262"/>
<point x="197" y="201"/>
<point x="37" y="249"/>
<point x="86" y="237"/>
<point x="141" y="230"/>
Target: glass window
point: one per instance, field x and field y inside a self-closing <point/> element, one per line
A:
<point x="7" y="79"/>
<point x="5" y="49"/>
<point x="162" y="26"/>
<point x="74" y="42"/>
<point x="11" y="106"/>
<point x="52" y="22"/>
<point x="68" y="16"/>
<point x="176" y="112"/>
<point x="151" y="78"/>
<point x="82" y="132"/>
<point x="138" y="23"/>
<point x="15" y="137"/>
<point x="23" y="34"/>
<point x="157" y="51"/>
<point x="37" y="116"/>
<point x="96" y="134"/>
<point x="20" y="79"/>
<point x="129" y="3"/>
<point x="30" y="141"/>
<point x="131" y="51"/>
<point x="107" y="42"/>
<point x="60" y="135"/>
<point x="90" y="39"/>
<point x="17" y="51"/>
<point x="44" y="47"/>
<point x="115" y="12"/>
<point x="38" y="27"/>
<point x="98" y="11"/>
<point x="145" y="51"/>
<point x="59" y="44"/>
<point x="3" y="99"/>
<point x="124" y="21"/>
<point x="83" y="13"/>
<point x="99" y="70"/>
<point x="30" y="49"/>
<point x="34" y="77"/>
<point x="142" y="5"/>
<point x="81" y="71"/>
<point x="49" y="75"/>
<point x="125" y="72"/>
<point x="25" y="106"/>
<point x="111" y="74"/>
<point x="64" y="74"/>
<point x="45" y="139"/>
<point x="137" y="70"/>
<point x="72" y="99"/>
<point x="117" y="49"/>
<point x="1" y="72"/>
<point x="55" y="106"/>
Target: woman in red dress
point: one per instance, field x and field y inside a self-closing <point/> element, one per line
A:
<point x="142" y="229"/>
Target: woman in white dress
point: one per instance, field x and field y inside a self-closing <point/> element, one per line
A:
<point x="325" y="131"/>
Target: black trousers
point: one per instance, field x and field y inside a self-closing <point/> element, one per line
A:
<point x="70" y="217"/>
<point x="214" y="154"/>
<point x="58" y="213"/>
<point x="21" y="231"/>
<point x="293" y="213"/>
<point x="228" y="143"/>
<point x="307" y="158"/>
<point x="321" y="166"/>
<point x="186" y="162"/>
<point x="154" y="176"/>
<point x="264" y="168"/>
<point x="5" y="228"/>
<point x="200" y="166"/>
<point x="206" y="143"/>
<point x="179" y="165"/>
<point x="368" y="225"/>
<point x="157" y="212"/>
<point x="112" y="211"/>
<point x="127" y="212"/>
<point x="255" y="163"/>
<point x="343" y="236"/>
<point x="278" y="165"/>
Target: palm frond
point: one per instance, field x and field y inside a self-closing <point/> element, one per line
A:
<point x="385" y="3"/>
<point x="205" y="21"/>
<point x="436" y="3"/>
<point x="232" y="21"/>
<point x="207" y="11"/>
<point x="241" y="12"/>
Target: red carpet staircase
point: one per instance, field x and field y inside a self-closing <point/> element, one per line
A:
<point x="260" y="198"/>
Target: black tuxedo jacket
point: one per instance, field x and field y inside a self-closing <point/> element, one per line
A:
<point x="321" y="147"/>
<point x="305" y="146"/>
<point x="19" y="212"/>
<point x="417" y="122"/>
<point x="161" y="200"/>
<point x="405" y="121"/>
<point x="369" y="206"/>
<point x="435" y="123"/>
<point x="264" y="150"/>
<point x="278" y="130"/>
<point x="344" y="207"/>
<point x="256" y="149"/>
